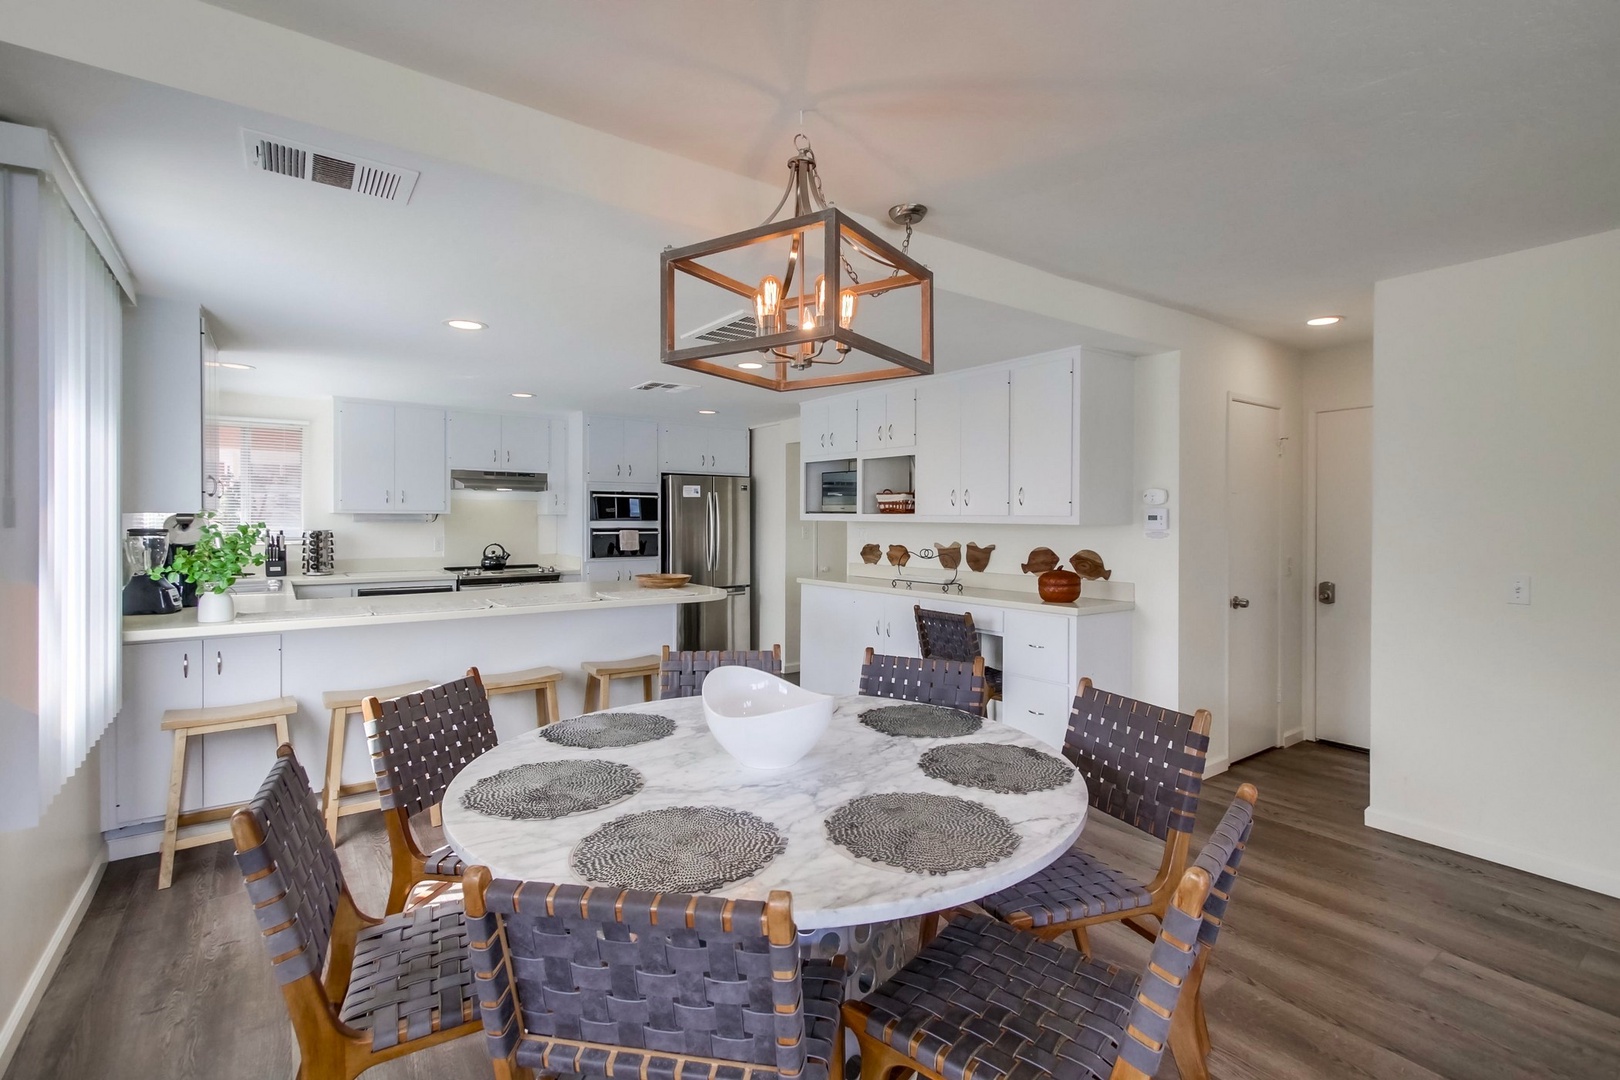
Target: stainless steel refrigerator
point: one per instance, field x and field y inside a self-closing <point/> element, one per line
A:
<point x="707" y="524"/>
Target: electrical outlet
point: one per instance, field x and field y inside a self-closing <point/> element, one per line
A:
<point x="1519" y="589"/>
<point x="438" y="545"/>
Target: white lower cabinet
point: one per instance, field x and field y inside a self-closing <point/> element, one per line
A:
<point x="1039" y="708"/>
<point x="191" y="674"/>
<point x="619" y="570"/>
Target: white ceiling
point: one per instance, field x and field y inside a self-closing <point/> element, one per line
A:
<point x="326" y="293"/>
<point x="1255" y="160"/>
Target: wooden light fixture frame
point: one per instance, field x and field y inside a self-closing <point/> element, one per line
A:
<point x="836" y="228"/>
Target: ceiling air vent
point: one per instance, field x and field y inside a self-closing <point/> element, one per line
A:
<point x="270" y="153"/>
<point x="666" y="387"/>
<point x="737" y="326"/>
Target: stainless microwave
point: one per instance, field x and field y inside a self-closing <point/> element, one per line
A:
<point x="838" y="492"/>
<point x="631" y="508"/>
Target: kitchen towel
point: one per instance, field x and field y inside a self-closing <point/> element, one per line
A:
<point x="629" y="540"/>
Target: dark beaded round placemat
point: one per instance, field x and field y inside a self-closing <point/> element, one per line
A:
<point x="684" y="849"/>
<point x="1010" y="770"/>
<point x="552" y="789"/>
<point x="600" y="730"/>
<point x="921" y="721"/>
<point x="922" y="833"/>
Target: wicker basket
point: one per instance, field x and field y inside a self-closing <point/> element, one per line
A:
<point x="896" y="502"/>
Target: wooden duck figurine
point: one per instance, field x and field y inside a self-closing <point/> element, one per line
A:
<point x="870" y="554"/>
<point x="1041" y="560"/>
<point x="978" y="558"/>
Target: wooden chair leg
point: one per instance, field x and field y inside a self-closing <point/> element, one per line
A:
<point x="553" y="705"/>
<point x="331" y="796"/>
<point x="171" y="815"/>
<point x="282" y="735"/>
<point x="647" y="693"/>
<point x="1191" y="1061"/>
<point x="590" y="694"/>
<point x="1082" y="941"/>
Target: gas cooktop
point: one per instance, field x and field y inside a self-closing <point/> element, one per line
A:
<point x="511" y="568"/>
<point x="513" y="574"/>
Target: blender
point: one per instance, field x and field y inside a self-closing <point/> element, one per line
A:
<point x="146" y="550"/>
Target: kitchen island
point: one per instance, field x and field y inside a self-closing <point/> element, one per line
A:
<point x="278" y="645"/>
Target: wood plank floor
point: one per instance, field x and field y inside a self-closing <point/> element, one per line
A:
<point x="1349" y="953"/>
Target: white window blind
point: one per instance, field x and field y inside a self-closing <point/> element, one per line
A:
<point x="261" y="472"/>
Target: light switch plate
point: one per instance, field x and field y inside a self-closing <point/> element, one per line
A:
<point x="1519" y="589"/>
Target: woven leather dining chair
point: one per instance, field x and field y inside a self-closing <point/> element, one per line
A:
<point x="955" y="684"/>
<point x="986" y="1001"/>
<point x="359" y="990"/>
<point x="648" y="986"/>
<point x="419" y="742"/>
<point x="681" y="674"/>
<point x="947" y="635"/>
<point x="1143" y="765"/>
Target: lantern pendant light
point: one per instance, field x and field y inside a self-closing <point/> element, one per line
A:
<point x="790" y="317"/>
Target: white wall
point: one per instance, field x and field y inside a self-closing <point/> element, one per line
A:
<point x="771" y="483"/>
<point x="1494" y="454"/>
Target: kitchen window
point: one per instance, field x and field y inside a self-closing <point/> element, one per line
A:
<point x="261" y="471"/>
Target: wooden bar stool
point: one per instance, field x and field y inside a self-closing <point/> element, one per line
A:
<point x="542" y="680"/>
<point x="343" y="704"/>
<point x="599" y="676"/>
<point x="194" y="723"/>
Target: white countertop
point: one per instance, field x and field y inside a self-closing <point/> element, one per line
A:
<point x="830" y="886"/>
<point x="275" y="613"/>
<point x="922" y="591"/>
<point x="360" y="577"/>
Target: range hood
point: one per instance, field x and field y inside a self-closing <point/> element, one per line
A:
<point x="479" y="480"/>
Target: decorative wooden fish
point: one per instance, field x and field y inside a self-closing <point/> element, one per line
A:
<point x="978" y="557"/>
<point x="870" y="554"/>
<point x="1041" y="560"/>
<point x="1089" y="565"/>
<point x="899" y="555"/>
<point x="950" y="555"/>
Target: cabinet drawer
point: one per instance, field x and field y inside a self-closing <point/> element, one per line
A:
<point x="1037" y="647"/>
<point x="1039" y="708"/>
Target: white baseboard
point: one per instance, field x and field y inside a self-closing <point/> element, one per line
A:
<point x="790" y="669"/>
<point x="127" y="845"/>
<point x="1215" y="766"/>
<point x="1531" y="862"/>
<point x="40" y="978"/>
<point x="1293" y="737"/>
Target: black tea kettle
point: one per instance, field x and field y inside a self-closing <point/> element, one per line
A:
<point x="494" y="558"/>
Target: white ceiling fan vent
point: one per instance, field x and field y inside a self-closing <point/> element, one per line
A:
<point x="271" y="153"/>
<point x="666" y="387"/>
<point x="738" y="326"/>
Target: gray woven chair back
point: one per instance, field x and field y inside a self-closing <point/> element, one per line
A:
<point x="1142" y="764"/>
<point x="951" y="683"/>
<point x="293" y="878"/>
<point x="568" y="975"/>
<point x="421" y="741"/>
<point x="681" y="674"/>
<point x="945" y="635"/>
<point x="1222" y="853"/>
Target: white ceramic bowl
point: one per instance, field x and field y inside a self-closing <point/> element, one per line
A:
<point x="761" y="720"/>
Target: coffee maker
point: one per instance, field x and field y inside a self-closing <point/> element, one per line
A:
<point x="184" y="530"/>
<point x="146" y="549"/>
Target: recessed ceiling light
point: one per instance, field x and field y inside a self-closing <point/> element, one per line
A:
<point x="229" y="365"/>
<point x="705" y="412"/>
<point x="750" y="365"/>
<point x="1324" y="320"/>
<point x="520" y="393"/>
<point x="465" y="324"/>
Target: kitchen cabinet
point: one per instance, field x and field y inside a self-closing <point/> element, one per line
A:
<point x="621" y="451"/>
<point x="196" y="673"/>
<point x="827" y="429"/>
<point x="696" y="448"/>
<point x="961" y="440"/>
<point x="619" y="570"/>
<point x="525" y="444"/>
<point x="390" y="459"/>
<point x="886" y="420"/>
<point x="169" y="390"/>
<point x="1041" y="447"/>
<point x="498" y="442"/>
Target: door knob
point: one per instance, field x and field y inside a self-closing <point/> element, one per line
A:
<point x="1239" y="602"/>
<point x="1326" y="593"/>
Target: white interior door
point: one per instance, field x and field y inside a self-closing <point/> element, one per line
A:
<point x="1252" y="611"/>
<point x="1344" y="576"/>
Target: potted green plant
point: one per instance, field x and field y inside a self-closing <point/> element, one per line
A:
<point x="220" y="556"/>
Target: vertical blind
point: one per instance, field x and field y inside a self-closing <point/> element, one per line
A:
<point x="80" y="556"/>
<point x="260" y="465"/>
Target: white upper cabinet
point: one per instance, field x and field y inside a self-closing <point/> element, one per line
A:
<point x="619" y="451"/>
<point x="937" y="476"/>
<point x="525" y="444"/>
<point x="166" y="390"/>
<point x="984" y="433"/>
<point x="390" y="459"/>
<point x="698" y="448"/>
<point x="886" y="420"/>
<point x="474" y="439"/>
<point x="1041" y="449"/>
<point x="827" y="429"/>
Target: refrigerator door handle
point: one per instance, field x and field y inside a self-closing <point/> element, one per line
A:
<point x="714" y="530"/>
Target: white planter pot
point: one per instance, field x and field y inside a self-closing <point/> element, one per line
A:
<point x="215" y="607"/>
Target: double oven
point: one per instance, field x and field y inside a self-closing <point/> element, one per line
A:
<point x="624" y="525"/>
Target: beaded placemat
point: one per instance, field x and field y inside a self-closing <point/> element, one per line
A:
<point x="683" y="849"/>
<point x="921" y="832"/>
<point x="552" y="789"/>
<point x="1010" y="770"/>
<point x="600" y="730"/>
<point x="921" y="721"/>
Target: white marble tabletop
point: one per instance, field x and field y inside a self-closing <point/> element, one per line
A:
<point x="830" y="887"/>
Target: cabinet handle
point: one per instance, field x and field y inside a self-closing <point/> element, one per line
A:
<point x="965" y="496"/>
<point x="387" y="495"/>
<point x="509" y="457"/>
<point x="212" y="490"/>
<point x="891" y="432"/>
<point x="824" y="440"/>
<point x="877" y="628"/>
<point x="402" y="496"/>
<point x="630" y="470"/>
<point x="494" y="457"/>
<point x="953" y="496"/>
<point x="185" y="665"/>
<point x="1035" y="646"/>
<point x="1020" y="496"/>
<point x="219" y="663"/>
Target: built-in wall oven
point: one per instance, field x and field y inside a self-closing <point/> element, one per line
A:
<point x="624" y="509"/>
<point x="630" y="542"/>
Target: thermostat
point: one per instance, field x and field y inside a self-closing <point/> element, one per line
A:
<point x="1158" y="522"/>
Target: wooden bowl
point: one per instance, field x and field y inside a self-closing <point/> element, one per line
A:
<point x="1059" y="586"/>
<point x="663" y="581"/>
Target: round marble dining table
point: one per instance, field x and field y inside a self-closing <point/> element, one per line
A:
<point x="831" y="887"/>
